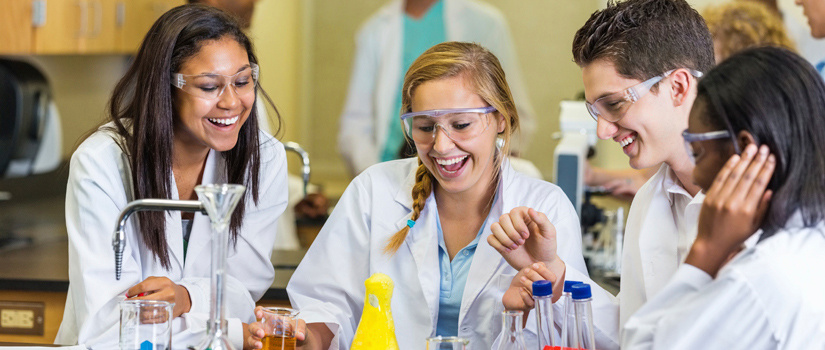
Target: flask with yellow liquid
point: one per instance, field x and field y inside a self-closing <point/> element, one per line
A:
<point x="376" y="331"/>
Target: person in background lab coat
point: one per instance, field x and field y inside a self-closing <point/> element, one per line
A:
<point x="422" y="220"/>
<point x="183" y="115"/>
<point x="767" y="102"/>
<point x="387" y="44"/>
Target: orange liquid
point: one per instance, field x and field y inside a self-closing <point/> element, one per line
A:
<point x="272" y="342"/>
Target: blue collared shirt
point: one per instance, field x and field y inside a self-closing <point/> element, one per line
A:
<point x="453" y="279"/>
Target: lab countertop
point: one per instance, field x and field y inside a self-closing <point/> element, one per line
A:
<point x="43" y="266"/>
<point x="42" y="263"/>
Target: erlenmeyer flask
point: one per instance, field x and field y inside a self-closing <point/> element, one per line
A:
<point x="511" y="335"/>
<point x="220" y="201"/>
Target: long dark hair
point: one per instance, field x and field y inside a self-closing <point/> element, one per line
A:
<point x="779" y="98"/>
<point x="141" y="109"/>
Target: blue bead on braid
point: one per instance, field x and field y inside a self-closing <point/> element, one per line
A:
<point x="410" y="223"/>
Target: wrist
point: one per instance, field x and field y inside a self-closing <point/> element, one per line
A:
<point x="704" y="257"/>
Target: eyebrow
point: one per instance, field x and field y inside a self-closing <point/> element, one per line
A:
<point x="236" y="72"/>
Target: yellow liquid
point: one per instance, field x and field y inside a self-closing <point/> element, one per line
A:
<point x="272" y="342"/>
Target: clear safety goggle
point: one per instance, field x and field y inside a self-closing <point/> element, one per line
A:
<point x="211" y="86"/>
<point x="695" y="149"/>
<point x="459" y="124"/>
<point x="614" y="106"/>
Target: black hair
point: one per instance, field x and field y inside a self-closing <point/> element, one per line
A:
<point x="779" y="98"/>
<point x="141" y="108"/>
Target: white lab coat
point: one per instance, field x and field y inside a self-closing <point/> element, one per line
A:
<point x="652" y="240"/>
<point x="98" y="189"/>
<point x="376" y="79"/>
<point x="768" y="297"/>
<point x="328" y="285"/>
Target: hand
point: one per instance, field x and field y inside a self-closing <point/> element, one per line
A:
<point x="625" y="188"/>
<point x="523" y="237"/>
<point x="255" y="332"/>
<point x="734" y="207"/>
<point x="162" y="288"/>
<point x="314" y="205"/>
<point x="519" y="296"/>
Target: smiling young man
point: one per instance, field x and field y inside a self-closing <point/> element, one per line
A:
<point x="640" y="63"/>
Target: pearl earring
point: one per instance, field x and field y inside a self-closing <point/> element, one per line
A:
<point x="499" y="142"/>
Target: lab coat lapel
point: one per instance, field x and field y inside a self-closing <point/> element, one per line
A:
<point x="654" y="249"/>
<point x="174" y="237"/>
<point x="422" y="243"/>
<point x="201" y="236"/>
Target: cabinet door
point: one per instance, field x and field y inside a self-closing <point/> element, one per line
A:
<point x="16" y="27"/>
<point x="66" y="23"/>
<point x="137" y="16"/>
<point x="102" y="27"/>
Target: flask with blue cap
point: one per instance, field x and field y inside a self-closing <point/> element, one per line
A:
<point x="584" y="316"/>
<point x="568" y="317"/>
<point x="543" y="297"/>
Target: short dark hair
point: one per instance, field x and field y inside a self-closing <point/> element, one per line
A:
<point x="779" y="98"/>
<point x="141" y="109"/>
<point x="645" y="38"/>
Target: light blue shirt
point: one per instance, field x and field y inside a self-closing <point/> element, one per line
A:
<point x="419" y="35"/>
<point x="453" y="279"/>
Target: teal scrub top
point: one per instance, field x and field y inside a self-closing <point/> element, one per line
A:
<point x="418" y="36"/>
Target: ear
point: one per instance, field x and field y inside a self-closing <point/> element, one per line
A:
<point x="745" y="138"/>
<point x="681" y="86"/>
<point x="501" y="123"/>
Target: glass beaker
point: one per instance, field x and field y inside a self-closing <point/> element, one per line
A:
<point x="279" y="324"/>
<point x="446" y="343"/>
<point x="145" y="325"/>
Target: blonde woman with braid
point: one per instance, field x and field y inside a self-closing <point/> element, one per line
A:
<point x="424" y="221"/>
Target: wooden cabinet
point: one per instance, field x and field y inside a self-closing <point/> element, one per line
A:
<point x="47" y="27"/>
<point x="17" y="14"/>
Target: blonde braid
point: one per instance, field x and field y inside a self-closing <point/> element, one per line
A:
<point x="420" y="191"/>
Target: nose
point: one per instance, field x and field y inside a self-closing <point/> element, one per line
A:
<point x="229" y="99"/>
<point x="605" y="129"/>
<point x="441" y="140"/>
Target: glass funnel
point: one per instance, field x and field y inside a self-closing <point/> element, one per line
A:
<point x="219" y="201"/>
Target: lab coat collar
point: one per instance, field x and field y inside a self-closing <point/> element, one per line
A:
<point x="672" y="187"/>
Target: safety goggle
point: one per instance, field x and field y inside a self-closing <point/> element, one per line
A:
<point x="211" y="86"/>
<point x="695" y="149"/>
<point x="613" y="107"/>
<point x="459" y="124"/>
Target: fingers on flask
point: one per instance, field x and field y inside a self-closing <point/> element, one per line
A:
<point x="584" y="316"/>
<point x="568" y="317"/>
<point x="543" y="297"/>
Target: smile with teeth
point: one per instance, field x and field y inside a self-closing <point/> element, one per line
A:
<point x="224" y="121"/>
<point x="627" y="140"/>
<point x="449" y="165"/>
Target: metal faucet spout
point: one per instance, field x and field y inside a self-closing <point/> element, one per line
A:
<point x="305" y="170"/>
<point x="119" y="237"/>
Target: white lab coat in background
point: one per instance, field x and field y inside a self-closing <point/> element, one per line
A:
<point x="376" y="78"/>
<point x="328" y="285"/>
<point x="95" y="196"/>
<point x="768" y="297"/>
<point x="654" y="246"/>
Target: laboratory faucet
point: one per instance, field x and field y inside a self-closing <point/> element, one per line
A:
<point x="295" y="147"/>
<point x="119" y="238"/>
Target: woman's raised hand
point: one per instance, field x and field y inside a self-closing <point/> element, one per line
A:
<point x="524" y="236"/>
<point x="733" y="209"/>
